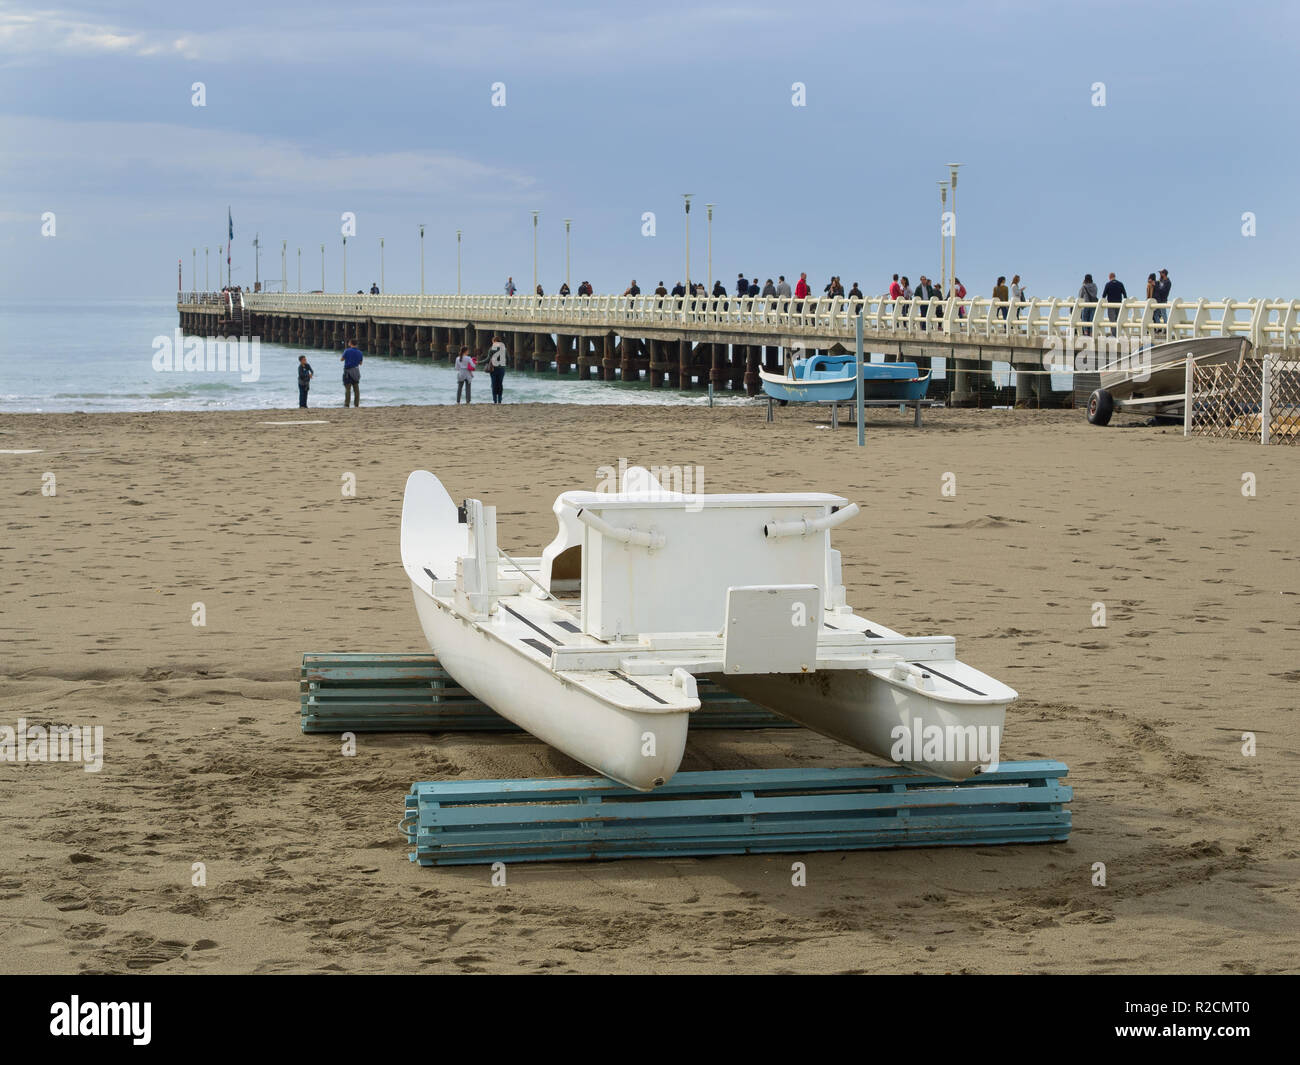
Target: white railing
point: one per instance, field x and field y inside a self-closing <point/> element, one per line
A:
<point x="1273" y="324"/>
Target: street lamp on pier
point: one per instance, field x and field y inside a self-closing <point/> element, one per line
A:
<point x="687" y="197"/>
<point x="952" y="251"/>
<point x="943" y="237"/>
<point x="535" y="214"/>
<point x="322" y="268"/>
<point x="709" y="208"/>
<point x="381" y="264"/>
<point x="300" y="269"/>
<point x="194" y="271"/>
<point x="345" y="264"/>
<point x="458" y="262"/>
<point x="421" y="260"/>
<point x="205" y="269"/>
<point x="284" y="266"/>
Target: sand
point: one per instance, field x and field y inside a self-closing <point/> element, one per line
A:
<point x="305" y="869"/>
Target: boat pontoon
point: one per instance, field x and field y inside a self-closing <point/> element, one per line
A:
<point x="595" y="647"/>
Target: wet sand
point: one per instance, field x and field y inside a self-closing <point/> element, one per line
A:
<point x="305" y="869"/>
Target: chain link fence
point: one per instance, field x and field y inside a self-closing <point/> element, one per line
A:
<point x="1256" y="400"/>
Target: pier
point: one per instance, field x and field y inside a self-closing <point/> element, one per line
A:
<point x="692" y="342"/>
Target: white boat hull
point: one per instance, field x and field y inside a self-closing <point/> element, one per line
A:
<point x="866" y="712"/>
<point x="641" y="750"/>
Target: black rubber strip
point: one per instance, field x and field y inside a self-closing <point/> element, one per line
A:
<point x="871" y="635"/>
<point x="537" y="645"/>
<point x="643" y="691"/>
<point x="540" y="632"/>
<point x="567" y="626"/>
<point x="432" y="575"/>
<point x="950" y="680"/>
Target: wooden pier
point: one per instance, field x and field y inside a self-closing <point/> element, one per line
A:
<point x="693" y="342"/>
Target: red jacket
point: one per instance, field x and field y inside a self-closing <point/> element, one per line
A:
<point x="801" y="290"/>
<point x="895" y="290"/>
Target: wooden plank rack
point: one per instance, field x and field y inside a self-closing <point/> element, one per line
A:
<point x="466" y="822"/>
<point x="413" y="693"/>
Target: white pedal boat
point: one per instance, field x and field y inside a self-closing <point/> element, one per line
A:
<point x="595" y="646"/>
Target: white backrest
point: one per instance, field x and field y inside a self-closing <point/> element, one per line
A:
<point x="710" y="544"/>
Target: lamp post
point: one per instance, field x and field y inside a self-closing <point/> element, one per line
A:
<point x="421" y="260"/>
<point x="257" y="262"/>
<point x="381" y="264"/>
<point x="322" y="269"/>
<point x="687" y="197"/>
<point x="458" y="262"/>
<point x="952" y="251"/>
<point x="567" y="223"/>
<point x="194" y="271"/>
<point x="708" y="207"/>
<point x="345" y="265"/>
<point x="300" y="269"/>
<point x="205" y="269"/>
<point x="535" y="214"/>
<point x="943" y="238"/>
<point x="284" y="266"/>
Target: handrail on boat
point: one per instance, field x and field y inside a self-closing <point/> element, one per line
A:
<point x="775" y="530"/>
<point x="651" y="540"/>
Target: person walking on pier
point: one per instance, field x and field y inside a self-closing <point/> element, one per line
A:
<point x="305" y="373"/>
<point x="510" y="286"/>
<point x="769" y="289"/>
<point x="801" y="291"/>
<point x="1017" y="295"/>
<point x="464" y="374"/>
<point x="907" y="295"/>
<point x="1114" y="292"/>
<point x="1001" y="295"/>
<point x="895" y="289"/>
<point x="351" y="360"/>
<point x="1087" y="294"/>
<point x="496" y="363"/>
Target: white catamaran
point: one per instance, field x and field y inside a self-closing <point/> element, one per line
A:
<point x="595" y="646"/>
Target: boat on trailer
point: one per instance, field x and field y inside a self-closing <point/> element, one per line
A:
<point x="829" y="379"/>
<point x="596" y="646"/>
<point x="1153" y="380"/>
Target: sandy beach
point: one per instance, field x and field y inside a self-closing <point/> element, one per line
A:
<point x="204" y="761"/>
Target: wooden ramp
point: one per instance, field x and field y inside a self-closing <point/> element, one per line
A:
<point x="465" y="822"/>
<point x="412" y="693"/>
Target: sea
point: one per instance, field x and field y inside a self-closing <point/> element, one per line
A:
<point x="105" y="356"/>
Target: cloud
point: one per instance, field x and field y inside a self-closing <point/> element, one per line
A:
<point x="154" y="157"/>
<point x="31" y="34"/>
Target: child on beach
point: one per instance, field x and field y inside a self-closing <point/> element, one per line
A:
<point x="305" y="373"/>
<point x="464" y="373"/>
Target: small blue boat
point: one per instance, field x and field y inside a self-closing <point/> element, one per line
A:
<point x="829" y="379"/>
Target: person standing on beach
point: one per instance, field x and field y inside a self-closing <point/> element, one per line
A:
<point x="305" y="373"/>
<point x="464" y="374"/>
<point x="351" y="360"/>
<point x="497" y="367"/>
<point x="510" y="286"/>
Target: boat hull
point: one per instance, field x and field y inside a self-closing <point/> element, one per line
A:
<point x="866" y="712"/>
<point x="609" y="739"/>
<point x="844" y="389"/>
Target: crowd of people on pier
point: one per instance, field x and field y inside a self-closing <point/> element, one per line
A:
<point x="1010" y="298"/>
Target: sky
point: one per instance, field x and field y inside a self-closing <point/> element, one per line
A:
<point x="390" y="112"/>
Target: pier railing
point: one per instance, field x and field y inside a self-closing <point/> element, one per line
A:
<point x="1269" y="324"/>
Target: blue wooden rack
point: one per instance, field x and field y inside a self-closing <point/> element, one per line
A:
<point x="463" y="822"/>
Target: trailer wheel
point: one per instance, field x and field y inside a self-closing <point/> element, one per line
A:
<point x="1100" y="407"/>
